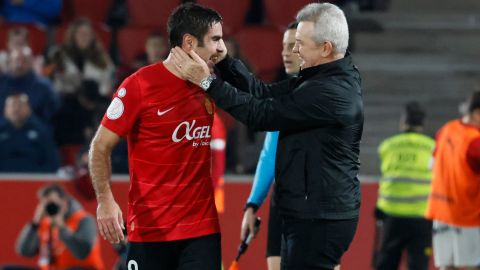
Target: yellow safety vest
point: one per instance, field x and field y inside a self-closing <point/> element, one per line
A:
<point x="406" y="174"/>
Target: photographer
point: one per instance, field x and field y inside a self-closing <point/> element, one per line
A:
<point x="61" y="233"/>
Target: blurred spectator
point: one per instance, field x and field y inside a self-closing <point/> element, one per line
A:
<point x="21" y="77"/>
<point x="233" y="49"/>
<point x="156" y="49"/>
<point x="18" y="37"/>
<point x="80" y="57"/>
<point x="61" y="233"/>
<point x="43" y="12"/>
<point x="26" y="144"/>
<point x="403" y="194"/>
<point x="75" y="121"/>
<point x="117" y="15"/>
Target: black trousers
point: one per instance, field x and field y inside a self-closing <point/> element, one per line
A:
<point x="315" y="243"/>
<point x="202" y="253"/>
<point x="274" y="236"/>
<point x="399" y="234"/>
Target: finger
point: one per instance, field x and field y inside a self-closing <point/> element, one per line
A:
<point x="195" y="56"/>
<point x="211" y="65"/>
<point x="120" y="220"/>
<point x="101" y="230"/>
<point x="176" y="59"/>
<point x="243" y="232"/>
<point x="180" y="53"/>
<point x="117" y="231"/>
<point x="111" y="236"/>
<point x="251" y="228"/>
<point x="118" y="226"/>
<point x="106" y="232"/>
<point x="177" y="62"/>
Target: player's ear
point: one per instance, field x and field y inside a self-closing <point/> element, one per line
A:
<point x="189" y="42"/>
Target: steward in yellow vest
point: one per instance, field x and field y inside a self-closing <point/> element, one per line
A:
<point x="403" y="194"/>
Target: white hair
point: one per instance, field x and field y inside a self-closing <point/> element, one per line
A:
<point x="330" y="24"/>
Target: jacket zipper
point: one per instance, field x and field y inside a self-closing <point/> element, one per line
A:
<point x="306" y="176"/>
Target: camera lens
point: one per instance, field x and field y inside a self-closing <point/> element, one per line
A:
<point x="52" y="208"/>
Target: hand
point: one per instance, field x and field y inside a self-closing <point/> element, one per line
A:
<point x="190" y="66"/>
<point x="39" y="212"/>
<point x="57" y="220"/>
<point x="248" y="224"/>
<point x="110" y="221"/>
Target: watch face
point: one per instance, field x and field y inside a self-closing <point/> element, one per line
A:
<point x="205" y="84"/>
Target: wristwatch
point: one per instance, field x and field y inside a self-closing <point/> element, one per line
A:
<point x="205" y="83"/>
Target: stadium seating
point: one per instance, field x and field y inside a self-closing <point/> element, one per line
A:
<point x="95" y="10"/>
<point x="233" y="12"/>
<point x="131" y="42"/>
<point x="282" y="12"/>
<point x="151" y="13"/>
<point x="262" y="47"/>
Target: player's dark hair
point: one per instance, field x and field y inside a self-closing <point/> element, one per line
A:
<point x="190" y="19"/>
<point x="473" y="101"/>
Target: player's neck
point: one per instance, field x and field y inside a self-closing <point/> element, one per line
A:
<point x="170" y="66"/>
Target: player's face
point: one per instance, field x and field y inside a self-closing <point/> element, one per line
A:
<point x="311" y="53"/>
<point x="291" y="61"/>
<point x="213" y="44"/>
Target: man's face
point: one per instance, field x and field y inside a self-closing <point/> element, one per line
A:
<point x="17" y="41"/>
<point x="17" y="110"/>
<point x="213" y="44"/>
<point x="156" y="49"/>
<point x="291" y="61"/>
<point x="20" y="60"/>
<point x="310" y="52"/>
<point x="54" y="197"/>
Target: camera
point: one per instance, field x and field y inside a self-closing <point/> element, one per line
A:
<point x="52" y="209"/>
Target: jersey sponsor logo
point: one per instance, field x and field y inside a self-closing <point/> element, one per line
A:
<point x="160" y="113"/>
<point x="188" y="131"/>
<point x="115" y="110"/>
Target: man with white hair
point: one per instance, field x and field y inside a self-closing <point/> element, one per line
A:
<point x="320" y="118"/>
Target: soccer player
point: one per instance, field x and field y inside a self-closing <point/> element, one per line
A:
<point x="172" y="222"/>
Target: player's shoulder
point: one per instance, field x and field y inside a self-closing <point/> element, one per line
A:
<point x="144" y="76"/>
<point x="151" y="71"/>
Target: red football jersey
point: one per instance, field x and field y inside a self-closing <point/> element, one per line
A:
<point x="168" y="123"/>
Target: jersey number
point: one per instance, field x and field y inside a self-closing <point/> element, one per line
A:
<point x="132" y="265"/>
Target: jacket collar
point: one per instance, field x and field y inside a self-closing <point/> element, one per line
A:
<point x="343" y="65"/>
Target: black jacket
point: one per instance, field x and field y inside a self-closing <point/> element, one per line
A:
<point x="320" y="118"/>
